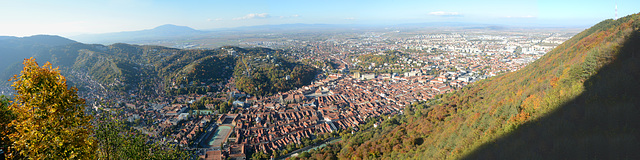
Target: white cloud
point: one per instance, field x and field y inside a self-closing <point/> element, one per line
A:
<point x="253" y="16"/>
<point x="350" y="18"/>
<point x="291" y="16"/>
<point x="527" y="16"/>
<point x="217" y="19"/>
<point x="445" y="14"/>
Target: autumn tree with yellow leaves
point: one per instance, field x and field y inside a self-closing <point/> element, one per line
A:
<point x="49" y="119"/>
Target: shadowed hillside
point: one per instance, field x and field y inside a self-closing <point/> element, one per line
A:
<point x="601" y="123"/>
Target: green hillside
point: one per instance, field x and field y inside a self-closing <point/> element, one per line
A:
<point x="126" y="67"/>
<point x="258" y="71"/>
<point x="267" y="76"/>
<point x="579" y="101"/>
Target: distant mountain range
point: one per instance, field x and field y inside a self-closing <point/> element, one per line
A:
<point x="174" y="32"/>
<point x="167" y="31"/>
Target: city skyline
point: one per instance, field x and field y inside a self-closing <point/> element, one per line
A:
<point x="68" y="18"/>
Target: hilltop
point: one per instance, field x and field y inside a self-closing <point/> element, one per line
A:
<point x="14" y="49"/>
<point x="579" y="101"/>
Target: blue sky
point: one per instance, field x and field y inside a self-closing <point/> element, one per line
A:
<point x="72" y="17"/>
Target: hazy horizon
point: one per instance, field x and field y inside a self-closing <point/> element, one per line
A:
<point x="70" y="18"/>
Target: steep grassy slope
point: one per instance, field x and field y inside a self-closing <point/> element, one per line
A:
<point x="600" y="123"/>
<point x="578" y="101"/>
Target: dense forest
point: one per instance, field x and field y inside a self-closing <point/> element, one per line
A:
<point x="579" y="101"/>
<point x="266" y="79"/>
<point x="124" y="67"/>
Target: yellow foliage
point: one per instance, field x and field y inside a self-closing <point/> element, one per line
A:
<point x="554" y="82"/>
<point x="50" y="122"/>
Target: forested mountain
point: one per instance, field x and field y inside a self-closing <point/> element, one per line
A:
<point x="14" y="49"/>
<point x="125" y="67"/>
<point x="110" y="65"/>
<point x="579" y="101"/>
